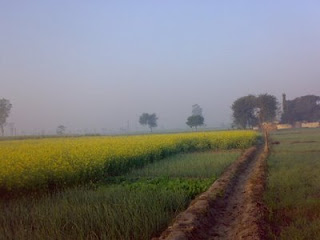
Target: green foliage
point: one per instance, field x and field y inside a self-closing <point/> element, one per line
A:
<point x="305" y="108"/>
<point x="138" y="205"/>
<point x="243" y="113"/>
<point x="199" y="165"/>
<point x="149" y="119"/>
<point x="189" y="187"/>
<point x="292" y="194"/>
<point x="116" y="212"/>
<point x="267" y="105"/>
<point x="58" y="162"/>
<point x="195" y="121"/>
<point x="249" y="111"/>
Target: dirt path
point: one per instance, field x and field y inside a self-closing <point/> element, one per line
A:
<point x="231" y="214"/>
<point x="231" y="209"/>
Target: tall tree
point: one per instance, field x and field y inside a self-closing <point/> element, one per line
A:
<point x="267" y="105"/>
<point x="5" y="108"/>
<point x="250" y="110"/>
<point x="243" y="111"/>
<point x="196" y="119"/>
<point x="61" y="130"/>
<point x="149" y="119"/>
<point x="196" y="110"/>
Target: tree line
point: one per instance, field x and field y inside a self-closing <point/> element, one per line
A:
<point x="247" y="112"/>
<point x="305" y="108"/>
<point x="194" y="121"/>
<point x="250" y="110"/>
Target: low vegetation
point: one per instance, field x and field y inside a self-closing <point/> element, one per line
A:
<point x="293" y="191"/>
<point x="56" y="162"/>
<point x="136" y="205"/>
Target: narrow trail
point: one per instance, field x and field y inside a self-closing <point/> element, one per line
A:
<point x="232" y="208"/>
<point x="231" y="214"/>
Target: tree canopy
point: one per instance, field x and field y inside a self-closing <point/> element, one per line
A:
<point x="61" y="130"/>
<point x="149" y="119"/>
<point x="267" y="106"/>
<point x="305" y="108"/>
<point x="196" y="119"/>
<point x="5" y="108"/>
<point x="249" y="111"/>
<point x="196" y="110"/>
<point x="243" y="111"/>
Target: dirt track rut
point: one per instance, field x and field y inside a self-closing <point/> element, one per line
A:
<point x="231" y="214"/>
<point x="231" y="209"/>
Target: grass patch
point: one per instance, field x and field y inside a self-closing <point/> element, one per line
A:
<point x="137" y="205"/>
<point x="192" y="165"/>
<point x="293" y="190"/>
<point x="117" y="212"/>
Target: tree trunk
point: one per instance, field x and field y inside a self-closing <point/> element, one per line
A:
<point x="266" y="137"/>
<point x="2" y="130"/>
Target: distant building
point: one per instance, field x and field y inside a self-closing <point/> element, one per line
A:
<point x="297" y="125"/>
<point x="266" y="125"/>
<point x="284" y="126"/>
<point x="310" y="124"/>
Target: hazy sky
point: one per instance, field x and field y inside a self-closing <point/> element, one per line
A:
<point x="98" y="64"/>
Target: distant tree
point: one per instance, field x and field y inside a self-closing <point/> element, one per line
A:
<point x="267" y="105"/>
<point x="195" y="121"/>
<point x="149" y="119"/>
<point x="250" y="110"/>
<point x="243" y="111"/>
<point x="61" y="130"/>
<point x="196" y="110"/>
<point x="305" y="108"/>
<point x="5" y="108"/>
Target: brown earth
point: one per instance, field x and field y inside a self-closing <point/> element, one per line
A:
<point x="232" y="208"/>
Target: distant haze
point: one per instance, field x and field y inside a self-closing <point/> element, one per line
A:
<point x="99" y="64"/>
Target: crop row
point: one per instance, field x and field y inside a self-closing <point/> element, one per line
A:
<point x="46" y="163"/>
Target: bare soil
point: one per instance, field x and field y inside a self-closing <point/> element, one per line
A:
<point x="232" y="208"/>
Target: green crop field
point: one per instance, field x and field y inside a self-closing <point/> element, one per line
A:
<point x="293" y="188"/>
<point x="137" y="205"/>
<point x="35" y="164"/>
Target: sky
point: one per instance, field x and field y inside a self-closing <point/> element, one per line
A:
<point x="98" y="65"/>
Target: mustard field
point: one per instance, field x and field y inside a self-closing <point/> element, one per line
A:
<point x="46" y="163"/>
